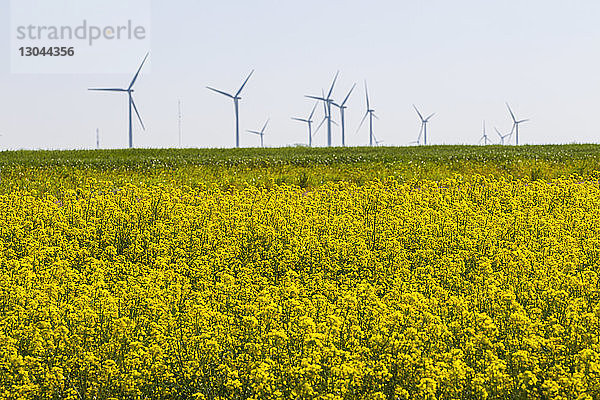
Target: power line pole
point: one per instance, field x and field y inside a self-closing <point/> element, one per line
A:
<point x="179" y="118"/>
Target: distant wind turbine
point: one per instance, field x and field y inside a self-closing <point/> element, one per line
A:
<point x="236" y="102"/>
<point x="502" y="137"/>
<point x="326" y="117"/>
<point x="343" y="108"/>
<point x="327" y="101"/>
<point x="129" y="92"/>
<point x="485" y="139"/>
<point x="516" y="123"/>
<point x="308" y="121"/>
<point x="97" y="139"/>
<point x="261" y="133"/>
<point x="371" y="114"/>
<point x="424" y="122"/>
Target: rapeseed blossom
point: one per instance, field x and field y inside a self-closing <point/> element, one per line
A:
<point x="486" y="289"/>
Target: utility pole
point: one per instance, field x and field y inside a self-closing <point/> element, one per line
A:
<point x="179" y="119"/>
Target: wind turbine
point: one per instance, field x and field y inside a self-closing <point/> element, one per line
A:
<point x="129" y="92"/>
<point x="516" y="123"/>
<point x="97" y="139"/>
<point x="308" y="121"/>
<point x="485" y="139"/>
<point x="342" y="108"/>
<point x="327" y="101"/>
<point x="371" y="114"/>
<point x="502" y="137"/>
<point x="326" y="117"/>
<point x="261" y="133"/>
<point x="424" y="122"/>
<point x="236" y="102"/>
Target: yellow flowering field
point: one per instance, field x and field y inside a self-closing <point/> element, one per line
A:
<point x="422" y="289"/>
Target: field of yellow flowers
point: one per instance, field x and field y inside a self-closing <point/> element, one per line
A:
<point x="478" y="288"/>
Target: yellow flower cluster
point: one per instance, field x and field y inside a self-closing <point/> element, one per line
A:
<point x="416" y="290"/>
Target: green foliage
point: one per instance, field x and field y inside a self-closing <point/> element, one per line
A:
<point x="46" y="170"/>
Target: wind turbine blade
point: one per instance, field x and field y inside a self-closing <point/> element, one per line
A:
<point x="367" y="95"/>
<point x="362" y="121"/>
<point x="348" y="96"/>
<point x="418" y="112"/>
<point x="511" y="112"/>
<point x="498" y="132"/>
<point x="300" y="119"/>
<point x="332" y="85"/>
<point x="254" y="132"/>
<point x="335" y="123"/>
<point x="138" y="72"/>
<point x="420" y="133"/>
<point x="220" y="92"/>
<point x="312" y="113"/>
<point x="320" y="125"/>
<point x="316" y="98"/>
<point x="137" y="112"/>
<point x="244" y="84"/>
<point x="428" y="118"/>
<point x="107" y="90"/>
<point x="265" y="126"/>
<point x="523" y="120"/>
<point x="375" y="116"/>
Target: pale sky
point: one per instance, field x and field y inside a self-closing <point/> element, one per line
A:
<point x="462" y="59"/>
